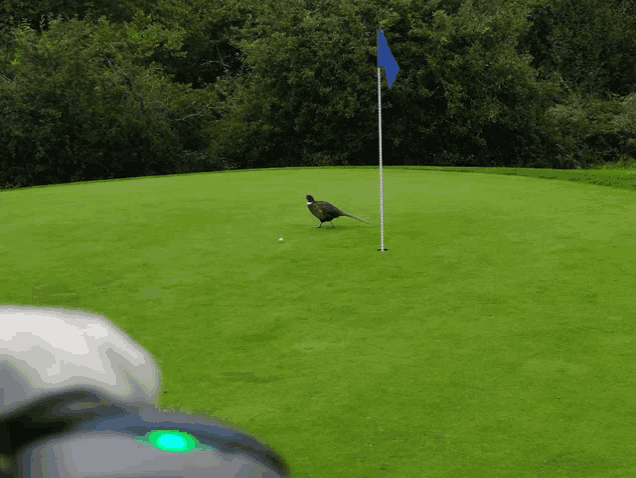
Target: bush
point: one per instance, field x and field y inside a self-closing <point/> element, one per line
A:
<point x="80" y="104"/>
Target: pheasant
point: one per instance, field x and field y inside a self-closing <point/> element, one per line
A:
<point x="326" y="212"/>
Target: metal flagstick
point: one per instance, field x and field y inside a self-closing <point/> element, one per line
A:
<point x="386" y="60"/>
<point x="382" y="249"/>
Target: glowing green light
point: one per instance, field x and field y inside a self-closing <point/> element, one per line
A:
<point x="172" y="441"/>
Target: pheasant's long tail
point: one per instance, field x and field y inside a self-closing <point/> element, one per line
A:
<point x="349" y="215"/>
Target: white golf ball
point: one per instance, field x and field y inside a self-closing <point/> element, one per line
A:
<point x="281" y="239"/>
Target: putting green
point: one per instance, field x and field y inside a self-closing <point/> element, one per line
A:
<point x="494" y="338"/>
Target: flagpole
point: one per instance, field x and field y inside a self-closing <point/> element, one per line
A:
<point x="386" y="60"/>
<point x="382" y="249"/>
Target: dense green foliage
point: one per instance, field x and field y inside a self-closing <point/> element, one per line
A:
<point x="588" y="45"/>
<point x="94" y="90"/>
<point x="81" y="101"/>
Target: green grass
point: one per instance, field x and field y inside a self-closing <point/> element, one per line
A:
<point x="495" y="338"/>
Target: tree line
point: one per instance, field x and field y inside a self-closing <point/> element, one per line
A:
<point x="92" y="90"/>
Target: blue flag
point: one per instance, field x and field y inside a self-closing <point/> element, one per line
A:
<point x="385" y="59"/>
